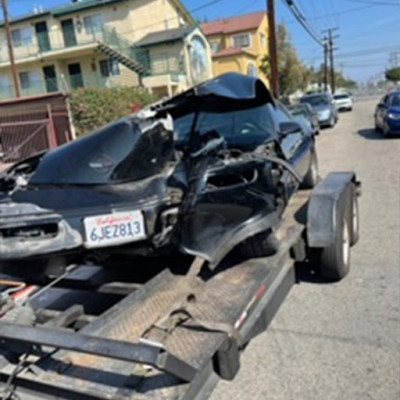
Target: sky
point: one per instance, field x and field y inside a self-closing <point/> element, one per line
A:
<point x="368" y="29"/>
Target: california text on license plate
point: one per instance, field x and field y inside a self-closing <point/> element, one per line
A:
<point x="114" y="229"/>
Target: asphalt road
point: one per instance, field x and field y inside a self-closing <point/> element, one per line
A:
<point x="342" y="340"/>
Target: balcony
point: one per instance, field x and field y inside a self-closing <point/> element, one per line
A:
<point x="59" y="84"/>
<point x="68" y="41"/>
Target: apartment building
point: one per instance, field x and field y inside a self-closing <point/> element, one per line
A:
<point x="238" y="44"/>
<point x="105" y="43"/>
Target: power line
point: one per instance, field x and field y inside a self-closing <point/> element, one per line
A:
<point x="376" y="3"/>
<point x="302" y="21"/>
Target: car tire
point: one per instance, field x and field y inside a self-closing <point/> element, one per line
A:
<point x="263" y="244"/>
<point x="354" y="217"/>
<point x="311" y="178"/>
<point x="334" y="260"/>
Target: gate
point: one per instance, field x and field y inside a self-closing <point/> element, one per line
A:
<point x="31" y="126"/>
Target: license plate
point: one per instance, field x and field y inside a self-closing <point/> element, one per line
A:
<point x="114" y="229"/>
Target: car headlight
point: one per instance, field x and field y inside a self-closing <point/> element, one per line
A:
<point x="394" y="116"/>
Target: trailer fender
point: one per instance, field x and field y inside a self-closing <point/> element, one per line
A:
<point x="324" y="201"/>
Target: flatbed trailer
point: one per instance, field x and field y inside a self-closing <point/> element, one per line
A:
<point x="100" y="336"/>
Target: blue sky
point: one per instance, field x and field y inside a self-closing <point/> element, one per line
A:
<point x="369" y="29"/>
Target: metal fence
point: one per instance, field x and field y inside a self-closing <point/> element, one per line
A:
<point x="31" y="126"/>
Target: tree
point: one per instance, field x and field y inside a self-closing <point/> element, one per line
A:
<point x="293" y="74"/>
<point x="393" y="74"/>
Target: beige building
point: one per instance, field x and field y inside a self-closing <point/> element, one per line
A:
<point x="239" y="44"/>
<point x="105" y="43"/>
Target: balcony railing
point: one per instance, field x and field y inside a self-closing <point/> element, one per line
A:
<point x="60" y="84"/>
<point x="44" y="43"/>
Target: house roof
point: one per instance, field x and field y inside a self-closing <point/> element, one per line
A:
<point x="164" y="36"/>
<point x="232" y="51"/>
<point x="231" y="25"/>
<point x="85" y="5"/>
<point x="81" y="5"/>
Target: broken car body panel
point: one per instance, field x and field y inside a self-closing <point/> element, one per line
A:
<point x="206" y="169"/>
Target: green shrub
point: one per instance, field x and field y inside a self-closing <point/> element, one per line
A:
<point x="92" y="108"/>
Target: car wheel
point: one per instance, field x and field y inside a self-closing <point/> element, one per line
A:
<point x="334" y="260"/>
<point x="261" y="245"/>
<point x="311" y="178"/>
<point x="354" y="217"/>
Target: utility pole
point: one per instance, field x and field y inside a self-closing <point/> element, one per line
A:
<point x="10" y="48"/>
<point x="273" y="53"/>
<point x="333" y="86"/>
<point x="331" y="49"/>
<point x="325" y="64"/>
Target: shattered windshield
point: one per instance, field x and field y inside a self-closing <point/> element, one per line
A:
<point x="245" y="129"/>
<point x="118" y="152"/>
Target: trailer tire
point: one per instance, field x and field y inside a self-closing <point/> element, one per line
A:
<point x="334" y="260"/>
<point x="354" y="218"/>
<point x="311" y="178"/>
<point x="263" y="244"/>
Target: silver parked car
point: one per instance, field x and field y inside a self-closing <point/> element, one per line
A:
<point x="323" y="103"/>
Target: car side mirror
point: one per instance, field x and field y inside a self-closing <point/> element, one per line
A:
<point x="288" y="128"/>
<point x="382" y="105"/>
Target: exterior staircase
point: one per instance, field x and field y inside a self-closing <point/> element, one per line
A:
<point x="134" y="58"/>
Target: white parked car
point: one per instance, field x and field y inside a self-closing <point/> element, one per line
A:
<point x="343" y="101"/>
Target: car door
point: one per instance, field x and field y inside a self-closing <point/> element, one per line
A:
<point x="295" y="146"/>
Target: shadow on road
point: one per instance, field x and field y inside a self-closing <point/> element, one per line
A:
<point x="372" y="134"/>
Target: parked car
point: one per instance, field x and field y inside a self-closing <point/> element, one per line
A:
<point x="387" y="114"/>
<point x="308" y="112"/>
<point x="343" y="101"/>
<point x="202" y="172"/>
<point x="324" y="105"/>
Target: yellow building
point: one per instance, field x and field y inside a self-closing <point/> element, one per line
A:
<point x="238" y="44"/>
<point x="105" y="43"/>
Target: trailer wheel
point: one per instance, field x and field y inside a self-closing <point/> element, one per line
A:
<point x="311" y="178"/>
<point x="354" y="218"/>
<point x="334" y="262"/>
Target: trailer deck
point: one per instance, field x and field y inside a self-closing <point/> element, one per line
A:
<point x="182" y="330"/>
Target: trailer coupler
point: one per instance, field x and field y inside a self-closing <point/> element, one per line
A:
<point x="141" y="353"/>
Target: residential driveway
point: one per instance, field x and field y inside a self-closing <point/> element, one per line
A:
<point x="342" y="340"/>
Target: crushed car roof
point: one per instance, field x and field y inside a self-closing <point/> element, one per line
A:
<point x="228" y="92"/>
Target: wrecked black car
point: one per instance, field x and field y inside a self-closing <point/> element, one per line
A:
<point x="201" y="172"/>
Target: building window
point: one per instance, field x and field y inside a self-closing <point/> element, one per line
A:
<point x="263" y="41"/>
<point x="252" y="70"/>
<point x="30" y="80"/>
<point x="165" y="63"/>
<point x="215" y="47"/>
<point x="22" y="37"/>
<point x="109" y="68"/>
<point x="93" y="23"/>
<point x="5" y="85"/>
<point x="242" y="40"/>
